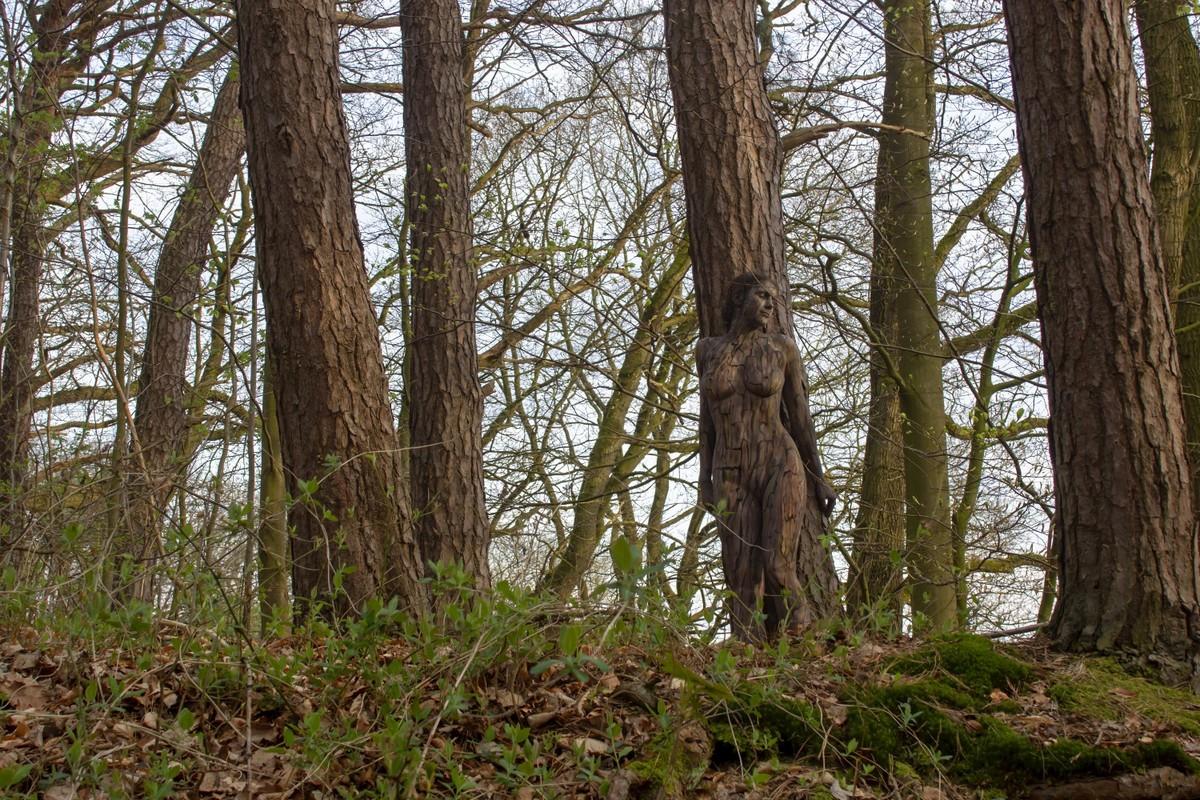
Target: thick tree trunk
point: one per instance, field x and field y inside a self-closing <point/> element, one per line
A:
<point x="904" y="252"/>
<point x="337" y="432"/>
<point x="446" y="407"/>
<point x="730" y="150"/>
<point x="1128" y="543"/>
<point x="731" y="168"/>
<point x="163" y="413"/>
<point x="1173" y="82"/>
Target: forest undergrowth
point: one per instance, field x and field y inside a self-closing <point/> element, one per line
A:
<point x="514" y="696"/>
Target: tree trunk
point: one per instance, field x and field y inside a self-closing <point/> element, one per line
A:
<point x="1117" y="435"/>
<point x="274" y="603"/>
<point x="445" y="403"/>
<point x="1173" y="82"/>
<point x="353" y="537"/>
<point x="55" y="64"/>
<point x="730" y="151"/>
<point x="731" y="167"/>
<point x="905" y="254"/>
<point x="20" y="340"/>
<point x="65" y="32"/>
<point x="163" y="413"/>
<point x="876" y="578"/>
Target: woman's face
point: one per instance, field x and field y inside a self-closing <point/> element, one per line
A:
<point x="758" y="309"/>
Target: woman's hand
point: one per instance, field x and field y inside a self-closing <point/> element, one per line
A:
<point x="826" y="497"/>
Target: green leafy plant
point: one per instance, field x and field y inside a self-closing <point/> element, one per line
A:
<point x="569" y="659"/>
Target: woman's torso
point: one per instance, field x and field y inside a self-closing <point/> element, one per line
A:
<point x="743" y="383"/>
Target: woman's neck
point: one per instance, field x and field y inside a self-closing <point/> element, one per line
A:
<point x="742" y="327"/>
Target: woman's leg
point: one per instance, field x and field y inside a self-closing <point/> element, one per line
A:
<point x="740" y="524"/>
<point x="784" y="501"/>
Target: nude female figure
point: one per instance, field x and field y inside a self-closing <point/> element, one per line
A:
<point x="759" y="466"/>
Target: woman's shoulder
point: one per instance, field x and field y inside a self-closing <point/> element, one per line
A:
<point x="705" y="346"/>
<point x="785" y="343"/>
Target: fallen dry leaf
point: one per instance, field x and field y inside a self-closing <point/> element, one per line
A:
<point x="541" y="719"/>
<point x="835" y="712"/>
<point x="61" y="791"/>
<point x="26" y="662"/>
<point x="22" y="693"/>
<point x="589" y="745"/>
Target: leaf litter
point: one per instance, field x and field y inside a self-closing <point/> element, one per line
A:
<point x="182" y="718"/>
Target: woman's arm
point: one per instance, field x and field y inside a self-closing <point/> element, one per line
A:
<point x="707" y="430"/>
<point x="800" y="423"/>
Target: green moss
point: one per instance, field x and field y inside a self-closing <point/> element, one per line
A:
<point x="999" y="756"/>
<point x="988" y="752"/>
<point x="900" y="722"/>
<point x="924" y="724"/>
<point x="936" y="719"/>
<point x="1101" y="688"/>
<point x="973" y="662"/>
<point x="927" y="691"/>
<point x="797" y="725"/>
<point x="669" y="766"/>
<point x="759" y="721"/>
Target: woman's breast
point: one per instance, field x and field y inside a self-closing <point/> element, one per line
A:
<point x="764" y="371"/>
<point x="719" y="383"/>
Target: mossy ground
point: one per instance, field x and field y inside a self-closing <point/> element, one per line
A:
<point x="973" y="664"/>
<point x="1100" y="688"/>
<point x="522" y="699"/>
<point x="957" y="709"/>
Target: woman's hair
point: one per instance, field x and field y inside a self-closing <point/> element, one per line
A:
<point x="736" y="293"/>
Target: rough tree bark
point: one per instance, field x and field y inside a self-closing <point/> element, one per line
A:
<point x="732" y="160"/>
<point x="1128" y="541"/>
<point x="904" y="253"/>
<point x="338" y="437"/>
<point x="445" y="403"/>
<point x="1173" y="83"/>
<point x="163" y="413"/>
<point x="730" y="149"/>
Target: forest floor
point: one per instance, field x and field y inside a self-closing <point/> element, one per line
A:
<point x="516" y="698"/>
